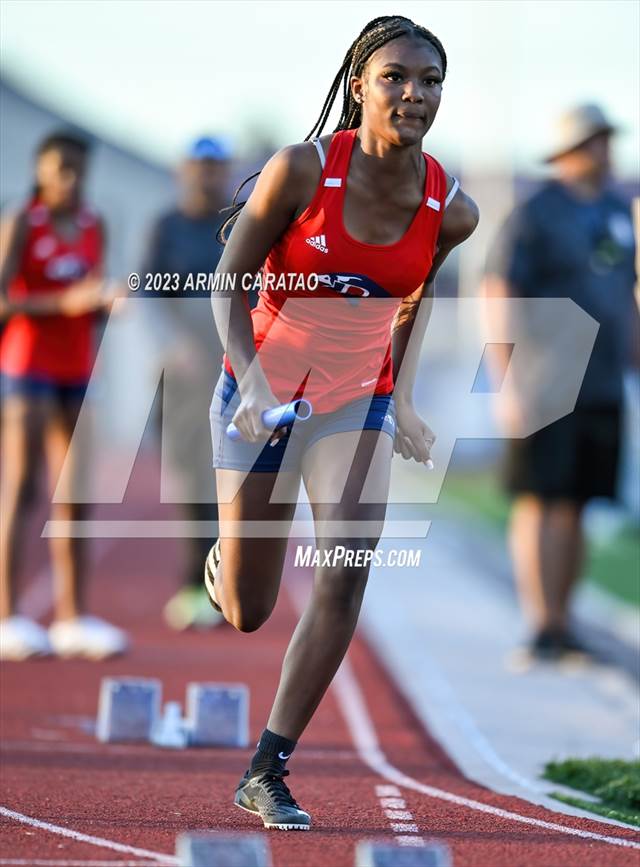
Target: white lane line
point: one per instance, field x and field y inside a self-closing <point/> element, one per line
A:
<point x="86" y="838"/>
<point x="360" y="725"/>
<point x="363" y="734"/>
<point x="388" y="792"/>
<point x="406" y="826"/>
<point x="392" y="803"/>
<point x="443" y="696"/>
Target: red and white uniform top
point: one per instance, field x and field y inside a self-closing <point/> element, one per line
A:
<point x="55" y="347"/>
<point x="328" y="300"/>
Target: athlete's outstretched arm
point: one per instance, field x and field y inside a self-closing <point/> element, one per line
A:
<point x="266" y="215"/>
<point x="411" y="320"/>
<point x="410" y="324"/>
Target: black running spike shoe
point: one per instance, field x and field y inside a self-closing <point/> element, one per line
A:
<point x="210" y="570"/>
<point x="267" y="795"/>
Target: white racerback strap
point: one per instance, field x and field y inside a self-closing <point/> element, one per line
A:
<point x="316" y="142"/>
<point x="454" y="189"/>
<point x="328" y="182"/>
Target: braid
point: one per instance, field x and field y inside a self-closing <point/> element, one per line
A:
<point x="374" y="35"/>
<point x="377" y="33"/>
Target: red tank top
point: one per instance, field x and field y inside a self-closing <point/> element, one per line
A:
<point x="56" y="347"/>
<point x="337" y="336"/>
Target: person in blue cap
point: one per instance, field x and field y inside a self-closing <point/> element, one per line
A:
<point x="206" y="148"/>
<point x="183" y="242"/>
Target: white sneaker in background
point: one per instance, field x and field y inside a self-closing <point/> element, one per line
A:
<point x="21" y="638"/>
<point x="87" y="636"/>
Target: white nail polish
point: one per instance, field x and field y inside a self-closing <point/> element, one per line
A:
<point x="429" y="464"/>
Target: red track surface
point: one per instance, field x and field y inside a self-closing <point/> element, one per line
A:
<point x="53" y="770"/>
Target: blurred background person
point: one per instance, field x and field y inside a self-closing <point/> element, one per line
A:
<point x="51" y="293"/>
<point x="573" y="238"/>
<point x="180" y="325"/>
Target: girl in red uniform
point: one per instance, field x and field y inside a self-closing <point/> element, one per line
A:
<point x="371" y="218"/>
<point x="51" y="290"/>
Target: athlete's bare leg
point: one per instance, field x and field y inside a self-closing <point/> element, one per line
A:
<point x="326" y="627"/>
<point x="23" y="421"/>
<point x="68" y="554"/>
<point x="248" y="579"/>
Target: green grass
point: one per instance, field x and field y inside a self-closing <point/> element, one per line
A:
<point x="478" y="493"/>
<point x="613" y="565"/>
<point x="615" y="782"/>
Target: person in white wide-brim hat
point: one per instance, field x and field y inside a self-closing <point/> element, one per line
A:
<point x="573" y="238"/>
<point x="578" y="127"/>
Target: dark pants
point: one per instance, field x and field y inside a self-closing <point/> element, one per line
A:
<point x="575" y="458"/>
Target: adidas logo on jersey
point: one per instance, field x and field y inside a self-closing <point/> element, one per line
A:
<point x="319" y="242"/>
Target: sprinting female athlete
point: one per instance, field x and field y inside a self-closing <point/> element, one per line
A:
<point x="51" y="289"/>
<point x="373" y="218"/>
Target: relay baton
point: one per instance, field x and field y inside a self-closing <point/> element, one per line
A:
<point x="278" y="416"/>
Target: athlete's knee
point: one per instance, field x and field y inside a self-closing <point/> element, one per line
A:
<point x="341" y="582"/>
<point x="247" y="618"/>
<point x="340" y="593"/>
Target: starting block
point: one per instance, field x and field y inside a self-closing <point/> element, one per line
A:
<point x="127" y="709"/>
<point x="222" y="850"/>
<point x="370" y="853"/>
<point x="217" y="715"/>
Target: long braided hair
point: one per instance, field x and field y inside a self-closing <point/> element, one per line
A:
<point x="374" y="35"/>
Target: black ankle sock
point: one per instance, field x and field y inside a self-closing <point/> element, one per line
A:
<point x="273" y="752"/>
